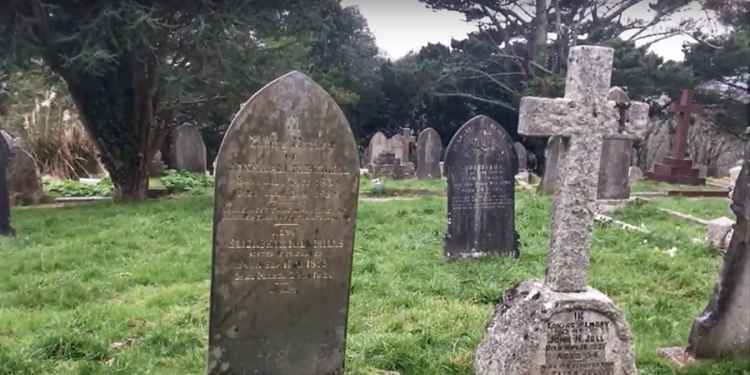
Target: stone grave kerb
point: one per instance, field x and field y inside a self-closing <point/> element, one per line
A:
<point x="584" y="117"/>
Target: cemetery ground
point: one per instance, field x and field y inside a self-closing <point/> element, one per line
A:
<point x="123" y="289"/>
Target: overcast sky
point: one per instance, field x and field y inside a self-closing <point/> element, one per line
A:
<point x="404" y="25"/>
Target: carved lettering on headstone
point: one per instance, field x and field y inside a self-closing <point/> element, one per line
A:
<point x="481" y="166"/>
<point x="286" y="198"/>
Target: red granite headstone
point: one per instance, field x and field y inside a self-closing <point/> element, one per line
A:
<point x="677" y="169"/>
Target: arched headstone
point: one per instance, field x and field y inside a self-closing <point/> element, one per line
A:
<point x="429" y="152"/>
<point x="481" y="164"/>
<point x="378" y="145"/>
<point x="552" y="154"/>
<point x="187" y="150"/>
<point x="287" y="178"/>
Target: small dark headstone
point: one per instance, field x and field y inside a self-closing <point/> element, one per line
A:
<point x="5" y="228"/>
<point x="187" y="151"/>
<point x="429" y="152"/>
<point x="552" y="154"/>
<point x="724" y="327"/>
<point x="481" y="165"/>
<point x="287" y="181"/>
<point x="614" y="181"/>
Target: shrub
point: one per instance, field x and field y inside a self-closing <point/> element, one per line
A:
<point x="71" y="188"/>
<point x="186" y="182"/>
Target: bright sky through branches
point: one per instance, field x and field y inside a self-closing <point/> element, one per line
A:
<point x="404" y="25"/>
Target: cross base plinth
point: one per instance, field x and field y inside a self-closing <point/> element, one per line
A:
<point x="676" y="171"/>
<point x="537" y="331"/>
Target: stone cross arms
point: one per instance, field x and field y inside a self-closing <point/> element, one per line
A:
<point x="589" y="112"/>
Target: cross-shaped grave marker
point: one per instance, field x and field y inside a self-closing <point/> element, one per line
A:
<point x="588" y="113"/>
<point x="683" y="109"/>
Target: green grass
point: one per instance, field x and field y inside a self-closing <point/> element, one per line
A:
<point x="108" y="289"/>
<point x="410" y="187"/>
<point x="702" y="208"/>
<point x="655" y="186"/>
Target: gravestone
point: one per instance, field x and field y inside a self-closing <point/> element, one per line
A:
<point x="24" y="181"/>
<point x="723" y="329"/>
<point x="5" y="228"/>
<point x="523" y="157"/>
<point x="562" y="326"/>
<point x="552" y="155"/>
<point x="617" y="154"/>
<point x="187" y="150"/>
<point x="286" y="201"/>
<point x="429" y="152"/>
<point x="481" y="166"/>
<point x="378" y="145"/>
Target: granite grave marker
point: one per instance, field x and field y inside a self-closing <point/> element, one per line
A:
<point x="286" y="199"/>
<point x="562" y="326"/>
<point x="187" y="150"/>
<point x="723" y="329"/>
<point x="552" y="154"/>
<point x="481" y="166"/>
<point x="429" y="152"/>
<point x="5" y="228"/>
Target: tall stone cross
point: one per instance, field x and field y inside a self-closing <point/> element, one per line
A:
<point x="584" y="117"/>
<point x="683" y="109"/>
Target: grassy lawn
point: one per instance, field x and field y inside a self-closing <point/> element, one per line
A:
<point x="653" y="186"/>
<point x="108" y="289"/>
<point x="703" y="208"/>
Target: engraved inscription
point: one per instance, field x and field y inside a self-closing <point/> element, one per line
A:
<point x="577" y="344"/>
<point x="272" y="191"/>
<point x="482" y="186"/>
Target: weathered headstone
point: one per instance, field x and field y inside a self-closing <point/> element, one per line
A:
<point x="378" y="145"/>
<point x="552" y="154"/>
<point x="187" y="150"/>
<point x="723" y="329"/>
<point x="719" y="233"/>
<point x="523" y="157"/>
<point x="429" y="152"/>
<point x="5" y="228"/>
<point x="24" y="181"/>
<point x="563" y="326"/>
<point x="614" y="179"/>
<point x="481" y="166"/>
<point x="286" y="201"/>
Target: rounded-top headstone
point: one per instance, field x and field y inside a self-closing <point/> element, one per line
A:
<point x="188" y="151"/>
<point x="481" y="166"/>
<point x="378" y="145"/>
<point x="287" y="178"/>
<point x="429" y="152"/>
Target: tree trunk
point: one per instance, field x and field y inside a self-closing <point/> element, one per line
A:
<point x="538" y="42"/>
<point x="118" y="109"/>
